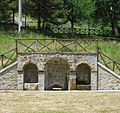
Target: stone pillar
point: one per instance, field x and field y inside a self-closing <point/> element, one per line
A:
<point x="93" y="80"/>
<point x="20" y="80"/>
<point x="41" y="77"/>
<point x="72" y="80"/>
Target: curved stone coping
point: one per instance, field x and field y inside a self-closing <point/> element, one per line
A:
<point x="8" y="67"/>
<point x="66" y="53"/>
<point x="108" y="70"/>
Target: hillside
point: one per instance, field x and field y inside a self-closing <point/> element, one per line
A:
<point x="111" y="48"/>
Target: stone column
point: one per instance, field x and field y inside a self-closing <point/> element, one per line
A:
<point x="93" y="80"/>
<point x="20" y="80"/>
<point x="72" y="80"/>
<point x="41" y="77"/>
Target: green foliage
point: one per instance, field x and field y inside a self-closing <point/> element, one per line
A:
<point x="4" y="11"/>
<point x="107" y="12"/>
<point x="77" y="11"/>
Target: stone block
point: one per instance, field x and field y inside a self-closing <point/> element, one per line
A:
<point x="31" y="86"/>
<point x="73" y="84"/>
<point x="83" y="87"/>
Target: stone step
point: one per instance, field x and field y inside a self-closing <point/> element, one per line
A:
<point x="31" y="86"/>
<point x="83" y="87"/>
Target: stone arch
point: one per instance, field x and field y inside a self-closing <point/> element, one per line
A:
<point x="30" y="71"/>
<point x="56" y="73"/>
<point x="83" y="74"/>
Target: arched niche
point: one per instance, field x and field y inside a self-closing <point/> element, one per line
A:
<point x="56" y="73"/>
<point x="30" y="73"/>
<point x="83" y="75"/>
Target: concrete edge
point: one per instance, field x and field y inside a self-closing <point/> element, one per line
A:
<point x="69" y="91"/>
<point x="108" y="70"/>
<point x="8" y="67"/>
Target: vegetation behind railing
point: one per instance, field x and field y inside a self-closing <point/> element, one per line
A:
<point x="7" y="58"/>
<point x="77" y="31"/>
<point x="109" y="62"/>
<point x="62" y="46"/>
<point x="82" y="31"/>
<point x="56" y="45"/>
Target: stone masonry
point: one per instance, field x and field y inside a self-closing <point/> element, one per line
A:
<point x="107" y="80"/>
<point x="57" y="69"/>
<point x="9" y="77"/>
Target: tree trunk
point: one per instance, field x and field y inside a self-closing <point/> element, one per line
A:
<point x="43" y="25"/>
<point x="25" y="20"/>
<point x="39" y="22"/>
<point x="39" y="19"/>
<point x="113" y="29"/>
<point x="13" y="16"/>
<point x="113" y="23"/>
<point x="88" y="28"/>
<point x="72" y="27"/>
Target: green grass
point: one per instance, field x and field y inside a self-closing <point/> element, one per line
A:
<point x="7" y="42"/>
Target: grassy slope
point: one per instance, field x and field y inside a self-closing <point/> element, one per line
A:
<point x="7" y="42"/>
<point x="59" y="102"/>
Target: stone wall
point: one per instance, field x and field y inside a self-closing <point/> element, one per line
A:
<point x="74" y="59"/>
<point x="12" y="79"/>
<point x="83" y="75"/>
<point x="56" y="74"/>
<point x="107" y="80"/>
<point x="8" y="77"/>
<point x="60" y="70"/>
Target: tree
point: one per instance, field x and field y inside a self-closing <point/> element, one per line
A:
<point x="107" y="11"/>
<point x="4" y="11"/>
<point x="13" y="4"/>
<point x="88" y="9"/>
<point x="72" y="11"/>
<point x="41" y="10"/>
<point x="47" y="11"/>
<point x="78" y="10"/>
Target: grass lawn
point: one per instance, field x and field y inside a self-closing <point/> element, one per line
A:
<point x="59" y="102"/>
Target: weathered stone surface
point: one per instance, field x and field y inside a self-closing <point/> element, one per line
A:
<point x="107" y="81"/>
<point x="83" y="87"/>
<point x="74" y="59"/>
<point x="31" y="86"/>
<point x="8" y="78"/>
<point x="83" y="74"/>
<point x="30" y="73"/>
<point x="58" y="71"/>
<point x="72" y="80"/>
<point x="57" y="67"/>
<point x="73" y="84"/>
